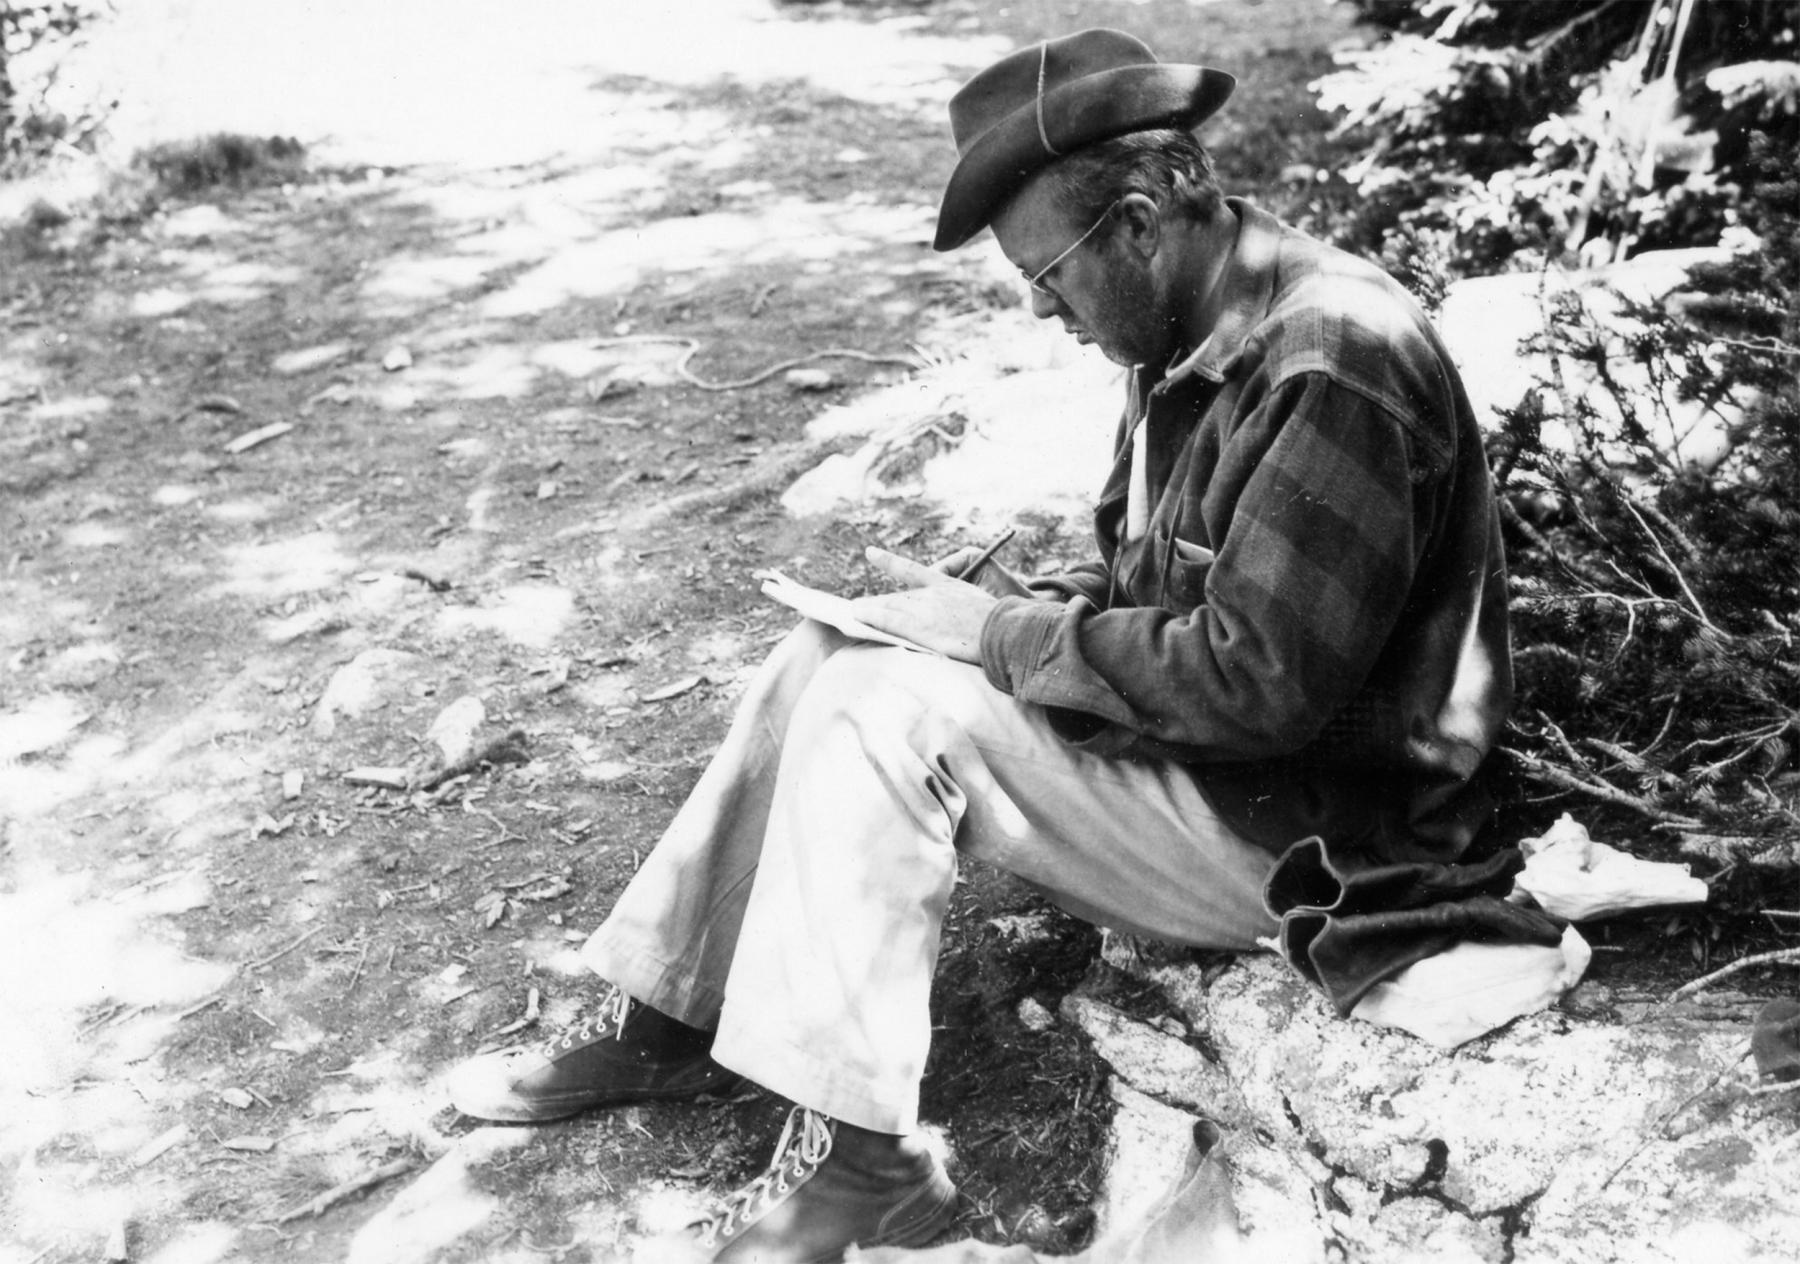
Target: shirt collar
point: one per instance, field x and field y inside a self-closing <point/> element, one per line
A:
<point x="1248" y="284"/>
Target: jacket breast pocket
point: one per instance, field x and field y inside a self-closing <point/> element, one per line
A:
<point x="1185" y="582"/>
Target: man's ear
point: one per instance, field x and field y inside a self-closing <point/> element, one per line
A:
<point x="1141" y="222"/>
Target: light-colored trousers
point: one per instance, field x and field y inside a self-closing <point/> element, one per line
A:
<point x="796" y="900"/>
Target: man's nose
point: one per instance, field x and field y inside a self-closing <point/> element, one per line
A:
<point x="1044" y="304"/>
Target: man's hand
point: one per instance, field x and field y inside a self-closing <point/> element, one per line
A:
<point x="936" y="611"/>
<point x="992" y="578"/>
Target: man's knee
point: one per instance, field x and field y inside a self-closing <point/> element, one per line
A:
<point x="882" y="689"/>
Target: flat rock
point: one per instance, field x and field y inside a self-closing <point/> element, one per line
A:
<point x="1155" y="1063"/>
<point x="1564" y="1136"/>
<point x="364" y="685"/>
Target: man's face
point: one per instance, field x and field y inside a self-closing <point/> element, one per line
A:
<point x="1102" y="291"/>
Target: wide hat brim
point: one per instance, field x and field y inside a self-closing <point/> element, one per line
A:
<point x="1094" y="108"/>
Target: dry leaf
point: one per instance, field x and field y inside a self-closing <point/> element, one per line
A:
<point x="256" y="1145"/>
<point x="492" y="908"/>
<point x="266" y="824"/>
<point x="550" y="890"/>
<point x="675" y="690"/>
<point x="251" y="439"/>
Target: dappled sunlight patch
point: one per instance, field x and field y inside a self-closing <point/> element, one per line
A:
<point x="493" y="372"/>
<point x="248" y="509"/>
<point x="82" y="666"/>
<point x="573" y="357"/>
<point x="381" y="1095"/>
<point x="531" y="614"/>
<point x="417" y="280"/>
<point x="164" y="300"/>
<point x="461" y="334"/>
<point x="668" y="1210"/>
<point x="76" y="972"/>
<point x="467" y="448"/>
<point x="552" y="953"/>
<point x="59" y="1203"/>
<point x="19" y="376"/>
<point x="201" y="219"/>
<point x="73" y="407"/>
<point x="783" y="233"/>
<point x="33" y="789"/>
<point x="174" y="495"/>
<point x="438" y="1206"/>
<point x="209" y="1242"/>
<point x="218" y="278"/>
<point x="96" y="535"/>
<point x="395" y="397"/>
<point x="282" y="568"/>
<point x="39" y="725"/>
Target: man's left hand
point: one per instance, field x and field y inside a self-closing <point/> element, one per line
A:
<point x="936" y="611"/>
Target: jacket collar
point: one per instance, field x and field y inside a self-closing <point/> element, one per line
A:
<point x="1249" y="282"/>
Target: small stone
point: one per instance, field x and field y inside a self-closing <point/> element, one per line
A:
<point x="236" y="1098"/>
<point x="454" y="730"/>
<point x="396" y="359"/>
<point x="1034" y="1016"/>
<point x="810" y="379"/>
<point x="369" y="775"/>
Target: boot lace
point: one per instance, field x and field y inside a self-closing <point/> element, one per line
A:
<point x="607" y="1020"/>
<point x="805" y="1144"/>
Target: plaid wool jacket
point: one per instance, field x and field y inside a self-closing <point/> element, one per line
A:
<point x="1315" y="618"/>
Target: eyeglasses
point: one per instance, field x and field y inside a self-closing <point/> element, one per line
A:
<point x="1046" y="291"/>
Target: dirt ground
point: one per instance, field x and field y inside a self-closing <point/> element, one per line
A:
<point x="236" y="963"/>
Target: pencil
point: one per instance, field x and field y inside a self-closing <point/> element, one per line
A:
<point x="986" y="555"/>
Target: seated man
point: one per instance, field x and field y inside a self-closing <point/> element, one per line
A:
<point x="1295" y="628"/>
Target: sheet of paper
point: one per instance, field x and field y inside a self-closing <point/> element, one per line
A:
<point x="828" y="608"/>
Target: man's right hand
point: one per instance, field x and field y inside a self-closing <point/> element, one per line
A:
<point x="993" y="578"/>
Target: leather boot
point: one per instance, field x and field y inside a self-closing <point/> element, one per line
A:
<point x="832" y="1186"/>
<point x="627" y="1052"/>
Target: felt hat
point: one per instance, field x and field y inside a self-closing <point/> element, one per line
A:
<point x="1042" y="102"/>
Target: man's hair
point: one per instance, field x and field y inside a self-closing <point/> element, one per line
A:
<point x="1167" y="166"/>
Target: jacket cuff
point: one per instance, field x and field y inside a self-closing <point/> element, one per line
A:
<point x="1013" y="638"/>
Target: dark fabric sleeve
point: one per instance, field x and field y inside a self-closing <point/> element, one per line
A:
<point x="1314" y="544"/>
<point x="1091" y="581"/>
<point x="1347" y="923"/>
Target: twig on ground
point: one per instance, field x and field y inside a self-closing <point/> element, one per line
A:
<point x="1547" y="772"/>
<point x="506" y="835"/>
<point x="356" y="974"/>
<point x="1780" y="913"/>
<point x="1764" y="1090"/>
<point x="691" y="348"/>
<point x="277" y="955"/>
<point x="339" y="1192"/>
<point x="772" y="474"/>
<point x="1779" y="956"/>
<point x="197" y="1006"/>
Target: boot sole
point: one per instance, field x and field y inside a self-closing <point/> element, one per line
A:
<point x="520" y="1110"/>
<point x="918" y="1234"/>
